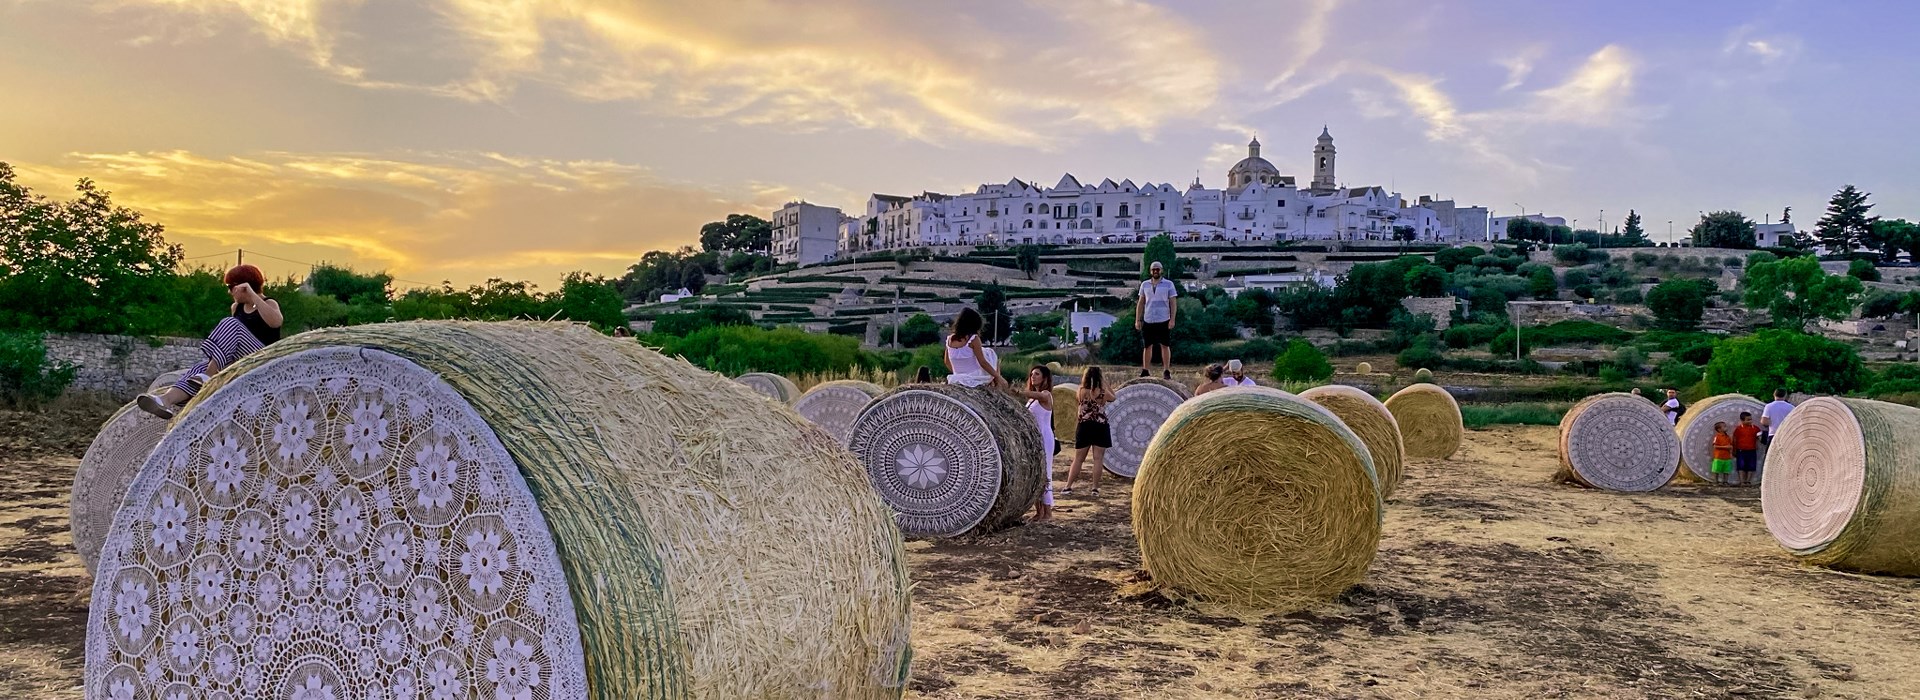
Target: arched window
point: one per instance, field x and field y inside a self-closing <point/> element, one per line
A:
<point x="1029" y="223"/>
<point x="1086" y="223"/>
<point x="1071" y="225"/>
<point x="1123" y="210"/>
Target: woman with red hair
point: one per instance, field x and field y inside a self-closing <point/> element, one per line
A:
<point x="253" y="324"/>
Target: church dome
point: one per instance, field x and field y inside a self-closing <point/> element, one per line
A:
<point x="1252" y="169"/>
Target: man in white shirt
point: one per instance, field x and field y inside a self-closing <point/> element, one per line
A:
<point x="1774" y="415"/>
<point x="1672" y="407"/>
<point x="1236" y="375"/>
<point x="1154" y="313"/>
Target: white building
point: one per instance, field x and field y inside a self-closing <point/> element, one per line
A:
<point x="1769" y="235"/>
<point x="1088" y="325"/>
<point x="806" y="233"/>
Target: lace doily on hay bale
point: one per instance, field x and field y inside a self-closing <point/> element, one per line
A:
<point x="1066" y="412"/>
<point x="1139" y="408"/>
<point x="100" y="484"/>
<point x="1696" y="431"/>
<point x="833" y="405"/>
<point x="772" y="386"/>
<point x="166" y="380"/>
<point x="1257" y="499"/>
<point x="950" y="460"/>
<point x="1843" y="488"/>
<point x="495" y="510"/>
<point x="1369" y="419"/>
<point x="1617" y="442"/>
<point x="1429" y="419"/>
<point x="1185" y="392"/>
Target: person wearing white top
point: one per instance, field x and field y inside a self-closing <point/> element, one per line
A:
<point x="968" y="362"/>
<point x="1236" y="375"/>
<point x="1039" y="393"/>
<point x="1774" y="415"/>
<point x="1154" y="313"/>
<point x="1672" y="407"/>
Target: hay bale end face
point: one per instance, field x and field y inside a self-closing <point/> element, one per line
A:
<point x="834" y="405"/>
<point x="1066" y="412"/>
<point x="503" y="510"/>
<point x="1617" y="442"/>
<point x="1363" y="368"/>
<point x="100" y="484"/>
<point x="1430" y="423"/>
<point x="1139" y="408"/>
<point x="1696" y="431"/>
<point x="1256" y="498"/>
<point x="1843" y="486"/>
<point x="1423" y="375"/>
<point x="950" y="460"/>
<point x="772" y="386"/>
<point x="1372" y="422"/>
<point x="1185" y="392"/>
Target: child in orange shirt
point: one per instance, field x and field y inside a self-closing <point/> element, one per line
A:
<point x="1722" y="453"/>
<point x="1746" y="449"/>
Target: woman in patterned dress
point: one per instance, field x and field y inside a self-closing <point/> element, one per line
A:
<point x="1092" y="436"/>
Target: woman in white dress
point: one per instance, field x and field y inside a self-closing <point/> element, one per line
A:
<point x="968" y="362"/>
<point x="1039" y="393"/>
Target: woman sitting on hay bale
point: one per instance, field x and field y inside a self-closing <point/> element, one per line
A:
<point x="252" y="323"/>
<point x="969" y="363"/>
<point x="1092" y="435"/>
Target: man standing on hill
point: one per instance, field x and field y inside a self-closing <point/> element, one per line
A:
<point x="1774" y="415"/>
<point x="1154" y="314"/>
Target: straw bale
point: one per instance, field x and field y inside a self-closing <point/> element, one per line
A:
<point x="100" y="484"/>
<point x="1139" y="408"/>
<point x="1369" y="419"/>
<point x="1257" y="499"/>
<point x="1844" y="491"/>
<point x="833" y="405"/>
<point x="1423" y="375"/>
<point x="772" y="386"/>
<point x="1066" y="412"/>
<point x="1185" y="392"/>
<point x="1696" y="431"/>
<point x="1429" y="419"/>
<point x="166" y="380"/>
<point x="1363" y="368"/>
<point x="1617" y="442"/>
<point x="513" y="502"/>
<point x="950" y="460"/>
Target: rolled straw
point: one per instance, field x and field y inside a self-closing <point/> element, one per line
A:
<point x="100" y="484"/>
<point x="1363" y="368"/>
<point x="1066" y="412"/>
<point x="1696" y="431"/>
<point x="1372" y="422"/>
<point x="833" y="405"/>
<point x="1843" y="486"/>
<point x="772" y="386"/>
<point x="1617" y="442"/>
<point x="1138" y="409"/>
<point x="1430" y="423"/>
<point x="950" y="460"/>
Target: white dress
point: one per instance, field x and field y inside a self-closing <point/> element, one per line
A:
<point x="1044" y="417"/>
<point x="966" y="369"/>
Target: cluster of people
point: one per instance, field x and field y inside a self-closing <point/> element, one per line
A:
<point x="1736" y="448"/>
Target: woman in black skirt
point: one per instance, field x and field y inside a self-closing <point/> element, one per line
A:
<point x="1092" y="434"/>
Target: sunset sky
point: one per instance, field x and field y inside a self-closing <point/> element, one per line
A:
<point x="466" y="139"/>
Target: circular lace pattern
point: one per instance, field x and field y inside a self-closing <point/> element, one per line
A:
<point x="101" y="481"/>
<point x="1696" y="435"/>
<point x="1622" y="442"/>
<point x="833" y="408"/>
<point x="336" y="524"/>
<point x="1134" y="417"/>
<point x="931" y="458"/>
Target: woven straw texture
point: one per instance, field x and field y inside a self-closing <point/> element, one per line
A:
<point x="1844" y="487"/>
<point x="712" y="544"/>
<point x="833" y="405"/>
<point x="1369" y="419"/>
<point x="772" y="386"/>
<point x="950" y="460"/>
<point x="1185" y="392"/>
<point x="1363" y="368"/>
<point x="1066" y="412"/>
<point x="1696" y="431"/>
<point x="1138" y="409"/>
<point x="100" y="484"/>
<point x="1617" y="442"/>
<point x="1429" y="418"/>
<point x="1256" y="498"/>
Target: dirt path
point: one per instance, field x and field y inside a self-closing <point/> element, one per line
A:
<point x="1491" y="583"/>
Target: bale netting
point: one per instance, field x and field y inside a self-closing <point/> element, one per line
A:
<point x="1363" y="368"/>
<point x="1423" y="375"/>
<point x="1429" y="419"/>
<point x="1139" y="408"/>
<point x="1185" y="392"/>
<point x="1369" y="419"/>
<point x="1696" y="430"/>
<point x="1066" y="412"/>
<point x="834" y="405"/>
<point x="1256" y="498"/>
<point x="1844" y="486"/>
<point x="495" y="510"/>
<point x="950" y="460"/>
<point x="1617" y="442"/>
<point x="100" y="484"/>
<point x="772" y="386"/>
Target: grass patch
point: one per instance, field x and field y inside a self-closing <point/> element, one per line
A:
<point x="1477" y="416"/>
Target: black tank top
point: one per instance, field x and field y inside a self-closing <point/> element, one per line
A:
<point x="257" y="325"/>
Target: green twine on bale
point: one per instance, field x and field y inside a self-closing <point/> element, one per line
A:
<point x="1842" y="486"/>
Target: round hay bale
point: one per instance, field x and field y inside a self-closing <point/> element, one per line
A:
<point x="1066" y="412"/>
<point x="950" y="460"/>
<point x="772" y="386"/>
<point x="1256" y="498"/>
<point x="1617" y="442"/>
<point x="1139" y="408"/>
<point x="834" y="405"/>
<point x="100" y="484"/>
<point x="494" y="510"/>
<point x="1429" y="418"/>
<point x="1185" y="392"/>
<point x="166" y="380"/>
<point x="1369" y="419"/>
<point x="1696" y="430"/>
<point x="1363" y="368"/>
<point x="1845" y="486"/>
<point x="1423" y="375"/>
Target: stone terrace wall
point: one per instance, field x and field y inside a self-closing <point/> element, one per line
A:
<point x="120" y="365"/>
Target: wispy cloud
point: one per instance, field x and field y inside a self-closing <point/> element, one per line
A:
<point x="1520" y="65"/>
<point x="1748" y="41"/>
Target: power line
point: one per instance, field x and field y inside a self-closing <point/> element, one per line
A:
<point x="310" y="266"/>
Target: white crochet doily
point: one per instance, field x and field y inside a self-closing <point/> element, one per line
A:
<point x="337" y="524"/>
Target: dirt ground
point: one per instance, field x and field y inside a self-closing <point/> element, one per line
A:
<point x="1491" y="582"/>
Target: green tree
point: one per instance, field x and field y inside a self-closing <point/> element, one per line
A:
<point x="737" y="232"/>
<point x="1301" y="362"/>
<point x="1635" y="235"/>
<point x="341" y="282"/>
<point x="1160" y="249"/>
<point x="1796" y="291"/>
<point x="918" y="330"/>
<point x="992" y="305"/>
<point x="1027" y="258"/>
<point x="684" y="324"/>
<point x="591" y="299"/>
<point x="27" y="377"/>
<point x="1755" y="365"/>
<point x="1677" y="304"/>
<point x="1723" y="229"/>
<point x="1846" y="225"/>
<point x="1863" y="270"/>
<point x="1450" y="259"/>
<point x="692" y="277"/>
<point x="1542" y="285"/>
<point x="1423" y="353"/>
<point x="81" y="265"/>
<point x="1897" y="236"/>
<point x="1426" y="281"/>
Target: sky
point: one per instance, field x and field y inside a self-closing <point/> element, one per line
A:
<point x="461" y="140"/>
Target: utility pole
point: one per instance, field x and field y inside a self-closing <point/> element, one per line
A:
<point x="240" y="256"/>
<point x="896" y="316"/>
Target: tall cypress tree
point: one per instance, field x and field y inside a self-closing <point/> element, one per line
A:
<point x="1634" y="234"/>
<point x="1846" y="226"/>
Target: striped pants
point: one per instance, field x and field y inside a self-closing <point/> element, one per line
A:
<point x="228" y="342"/>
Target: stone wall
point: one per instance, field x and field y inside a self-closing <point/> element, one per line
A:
<point x="120" y="365"/>
<point x="1440" y="309"/>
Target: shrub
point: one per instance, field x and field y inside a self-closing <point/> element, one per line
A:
<point x="1480" y="416"/>
<point x="1863" y="270"/>
<point x="739" y="349"/>
<point x="1677" y="372"/>
<point x="1423" y="353"/>
<point x="683" y="324"/>
<point x="1576" y="278"/>
<point x="1031" y="341"/>
<point x="27" y="379"/>
<point x="1628" y="296"/>
<point x="1630" y="360"/>
<point x="1644" y="258"/>
<point x="1301" y="362"/>
<point x="1761" y="256"/>
<point x="1575" y="254"/>
<point x="1471" y="334"/>
<point x="1677" y="304"/>
<point x="1757" y="364"/>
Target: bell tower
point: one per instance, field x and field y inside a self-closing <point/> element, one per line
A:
<point x="1323" y="163"/>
